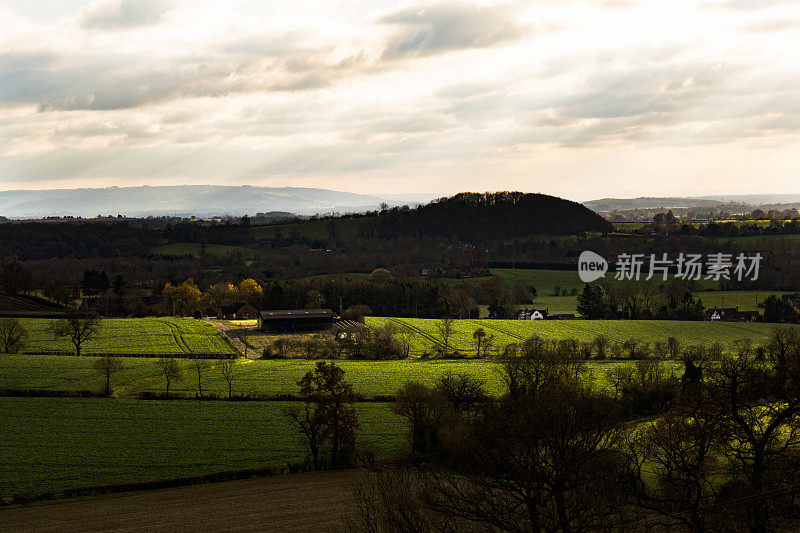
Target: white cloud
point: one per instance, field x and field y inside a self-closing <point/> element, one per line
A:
<point x="433" y="97"/>
<point x="116" y="14"/>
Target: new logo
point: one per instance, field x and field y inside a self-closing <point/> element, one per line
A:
<point x="591" y="266"/>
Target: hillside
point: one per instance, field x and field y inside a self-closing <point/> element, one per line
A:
<point x="181" y="200"/>
<point x="491" y="216"/>
<point x="734" y="203"/>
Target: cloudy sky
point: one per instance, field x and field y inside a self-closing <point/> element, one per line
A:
<point x="582" y="99"/>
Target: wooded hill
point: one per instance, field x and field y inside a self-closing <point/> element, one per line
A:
<point x="482" y="217"/>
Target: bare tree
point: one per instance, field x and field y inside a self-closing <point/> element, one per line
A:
<point x="12" y="335"/>
<point x="601" y="346"/>
<point x="545" y="461"/>
<point x="313" y="430"/>
<point x="228" y="370"/>
<point x="462" y="390"/>
<point x="757" y="406"/>
<point x="446" y="327"/>
<point x="200" y="365"/>
<point x="426" y="411"/>
<point x="79" y="326"/>
<point x="479" y="334"/>
<point x="171" y="370"/>
<point x="675" y="461"/>
<point x="108" y="365"/>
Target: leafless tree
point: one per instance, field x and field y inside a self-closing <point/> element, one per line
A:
<point x="427" y="412"/>
<point x="79" y="326"/>
<point x="228" y="370"/>
<point x="200" y="365"/>
<point x="445" y="327"/>
<point x="462" y="390"/>
<point x="12" y="335"/>
<point x="108" y="365"/>
<point x="171" y="370"/>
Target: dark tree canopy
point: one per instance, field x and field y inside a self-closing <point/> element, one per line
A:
<point x="489" y="216"/>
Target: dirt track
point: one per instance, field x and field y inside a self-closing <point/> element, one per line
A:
<point x="303" y="503"/>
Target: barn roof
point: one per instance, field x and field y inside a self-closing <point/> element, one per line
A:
<point x="282" y="314"/>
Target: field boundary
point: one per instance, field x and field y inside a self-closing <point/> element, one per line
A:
<point x="179" y="355"/>
<point x="97" y="490"/>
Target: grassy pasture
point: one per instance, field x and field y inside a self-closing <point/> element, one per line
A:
<point x="343" y="228"/>
<point x="424" y="336"/>
<point x="745" y="300"/>
<point x="770" y="241"/>
<point x="52" y="444"/>
<point x="263" y="377"/>
<point x="546" y="280"/>
<point x="133" y="335"/>
<point x="273" y="377"/>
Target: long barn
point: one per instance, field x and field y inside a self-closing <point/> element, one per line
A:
<point x="289" y="320"/>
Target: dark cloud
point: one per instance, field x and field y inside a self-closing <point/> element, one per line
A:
<point x="446" y="27"/>
<point x="118" y="14"/>
<point x="112" y="81"/>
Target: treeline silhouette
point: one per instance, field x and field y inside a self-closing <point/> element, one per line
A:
<point x="490" y="216"/>
<point x="46" y="240"/>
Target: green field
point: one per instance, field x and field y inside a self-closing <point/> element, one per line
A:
<point x="768" y="240"/>
<point x="193" y="249"/>
<point x="546" y="280"/>
<point x="260" y="377"/>
<point x="272" y="377"/>
<point x="543" y="280"/>
<point x="51" y="444"/>
<point x="424" y="336"/>
<point x="744" y="300"/>
<point x="133" y="335"/>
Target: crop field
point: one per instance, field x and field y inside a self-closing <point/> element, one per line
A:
<point x="424" y="337"/>
<point x="52" y="444"/>
<point x="133" y="335"/>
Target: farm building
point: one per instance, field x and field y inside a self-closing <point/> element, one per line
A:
<point x="532" y="314"/>
<point x="289" y="320"/>
<point x="427" y="270"/>
<point x="237" y="311"/>
<point x="563" y="316"/>
<point x="732" y="314"/>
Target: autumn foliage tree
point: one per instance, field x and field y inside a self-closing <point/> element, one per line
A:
<point x="250" y="291"/>
<point x="185" y="298"/>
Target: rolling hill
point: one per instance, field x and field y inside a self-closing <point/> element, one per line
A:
<point x="182" y="200"/>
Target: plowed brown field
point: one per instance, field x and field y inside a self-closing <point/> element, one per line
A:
<point x="307" y="502"/>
